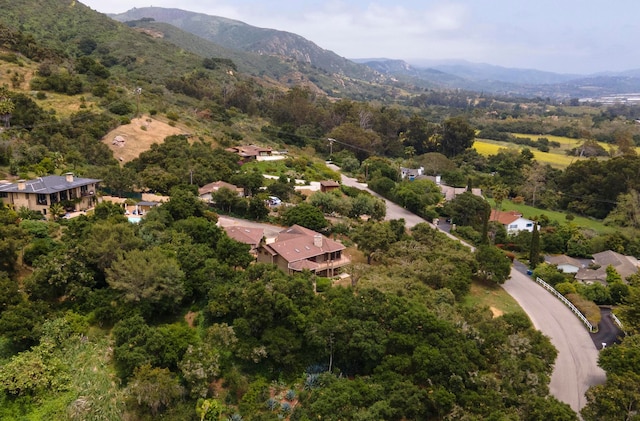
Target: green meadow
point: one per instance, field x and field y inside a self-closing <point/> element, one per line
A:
<point x="560" y="217"/>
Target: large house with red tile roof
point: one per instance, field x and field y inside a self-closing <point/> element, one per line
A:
<point x="512" y="221"/>
<point x="297" y="248"/>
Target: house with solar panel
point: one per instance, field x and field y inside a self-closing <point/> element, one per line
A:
<point x="73" y="193"/>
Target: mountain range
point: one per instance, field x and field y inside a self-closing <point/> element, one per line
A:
<point x="238" y="37"/>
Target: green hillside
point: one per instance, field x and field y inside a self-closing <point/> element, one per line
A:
<point x="165" y="316"/>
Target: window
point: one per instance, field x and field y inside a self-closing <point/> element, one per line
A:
<point x="64" y="196"/>
<point x="529" y="225"/>
<point x="3" y="194"/>
<point x="72" y="194"/>
<point x="84" y="190"/>
<point x="42" y="199"/>
<point x="513" y="226"/>
<point x="53" y="197"/>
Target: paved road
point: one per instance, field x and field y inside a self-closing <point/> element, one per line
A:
<point x="576" y="367"/>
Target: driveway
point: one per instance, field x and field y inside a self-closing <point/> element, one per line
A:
<point x="576" y="367"/>
<point x="270" y="231"/>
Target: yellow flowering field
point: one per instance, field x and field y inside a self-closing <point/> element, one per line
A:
<point x="556" y="160"/>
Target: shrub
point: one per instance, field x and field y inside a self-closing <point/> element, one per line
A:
<point x="272" y="404"/>
<point x="322" y="284"/>
<point x="468" y="233"/>
<point x="291" y="395"/>
<point x="590" y="310"/>
<point x="566" y="288"/>
<point x="121" y="107"/>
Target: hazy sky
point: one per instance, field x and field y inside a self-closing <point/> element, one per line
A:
<point x="565" y="36"/>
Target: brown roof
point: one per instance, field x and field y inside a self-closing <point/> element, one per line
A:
<point x="301" y="265"/>
<point x="246" y="235"/>
<point x="624" y="265"/>
<point x="248" y="150"/>
<point x="504" y="217"/>
<point x="329" y="183"/>
<point x="563" y="259"/>
<point x="299" y="243"/>
<point x="215" y="186"/>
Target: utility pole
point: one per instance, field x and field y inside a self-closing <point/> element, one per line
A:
<point x="331" y="140"/>
<point x="138" y="93"/>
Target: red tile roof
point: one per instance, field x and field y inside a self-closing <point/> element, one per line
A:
<point x="504" y="217"/>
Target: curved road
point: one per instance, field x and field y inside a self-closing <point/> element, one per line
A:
<point x="576" y="367"/>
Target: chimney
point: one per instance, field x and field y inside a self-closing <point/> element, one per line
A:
<point x="69" y="177"/>
<point x="317" y="240"/>
<point x="22" y="185"/>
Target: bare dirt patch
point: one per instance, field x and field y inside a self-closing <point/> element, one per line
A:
<point x="190" y="318"/>
<point x="137" y="137"/>
<point x="496" y="312"/>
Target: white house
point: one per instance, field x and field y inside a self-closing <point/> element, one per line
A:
<point x="411" y="173"/>
<point x="512" y="221"/>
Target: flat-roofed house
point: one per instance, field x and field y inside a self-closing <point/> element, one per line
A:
<point x="297" y="248"/>
<point x="74" y="193"/>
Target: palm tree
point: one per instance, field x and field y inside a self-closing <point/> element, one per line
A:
<point x="57" y="211"/>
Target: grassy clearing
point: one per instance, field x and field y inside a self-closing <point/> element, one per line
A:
<point x="559" y="217"/>
<point x="311" y="171"/>
<point x="491" y="296"/>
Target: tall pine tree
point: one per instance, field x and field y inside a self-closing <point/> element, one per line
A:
<point x="534" y="253"/>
